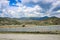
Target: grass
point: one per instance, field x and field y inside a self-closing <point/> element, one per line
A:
<point x="17" y="32"/>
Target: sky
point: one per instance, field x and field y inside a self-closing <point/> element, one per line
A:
<point x="29" y="8"/>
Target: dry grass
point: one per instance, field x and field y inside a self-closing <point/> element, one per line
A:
<point x="15" y="26"/>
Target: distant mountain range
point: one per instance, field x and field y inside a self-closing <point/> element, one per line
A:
<point x="30" y="20"/>
<point x="34" y="18"/>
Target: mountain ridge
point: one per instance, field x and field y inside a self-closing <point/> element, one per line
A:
<point x="30" y="20"/>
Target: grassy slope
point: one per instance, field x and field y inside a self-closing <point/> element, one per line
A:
<point x="8" y="21"/>
<point x="49" y="21"/>
<point x="12" y="21"/>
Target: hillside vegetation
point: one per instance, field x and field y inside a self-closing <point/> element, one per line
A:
<point x="8" y="21"/>
<point x="16" y="21"/>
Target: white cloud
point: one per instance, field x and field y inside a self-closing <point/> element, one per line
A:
<point x="25" y="1"/>
<point x="25" y="11"/>
<point x="32" y="11"/>
<point x="58" y="15"/>
<point x="48" y="1"/>
<point x="55" y="4"/>
<point x="55" y="13"/>
<point x="58" y="11"/>
<point x="36" y="1"/>
<point x="21" y="11"/>
<point x="3" y="6"/>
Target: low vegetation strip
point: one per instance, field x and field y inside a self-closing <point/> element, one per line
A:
<point x="31" y="32"/>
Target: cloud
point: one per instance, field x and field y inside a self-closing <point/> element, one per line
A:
<point x="21" y="10"/>
<point x="48" y="1"/>
<point x="33" y="11"/>
<point x="54" y="5"/>
<point x="36" y="1"/>
<point x="24" y="11"/>
<point x="27" y="1"/>
<point x="54" y="13"/>
<point x="58" y="11"/>
<point x="3" y="6"/>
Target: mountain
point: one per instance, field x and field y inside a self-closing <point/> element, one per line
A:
<point x="41" y="20"/>
<point x="8" y="21"/>
<point x="34" y="18"/>
<point x="30" y="21"/>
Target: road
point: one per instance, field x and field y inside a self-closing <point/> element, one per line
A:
<point x="29" y="36"/>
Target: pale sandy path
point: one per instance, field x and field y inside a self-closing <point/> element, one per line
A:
<point x="29" y="37"/>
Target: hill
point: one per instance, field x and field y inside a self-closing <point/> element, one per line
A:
<point x="8" y="21"/>
<point x="41" y="20"/>
<point x="30" y="21"/>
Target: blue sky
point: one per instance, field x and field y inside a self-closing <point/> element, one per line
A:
<point x="29" y="8"/>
